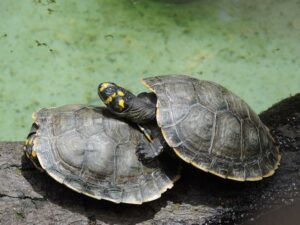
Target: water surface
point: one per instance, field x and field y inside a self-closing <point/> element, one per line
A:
<point x="55" y="52"/>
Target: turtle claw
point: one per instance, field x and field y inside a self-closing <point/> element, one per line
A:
<point x="144" y="153"/>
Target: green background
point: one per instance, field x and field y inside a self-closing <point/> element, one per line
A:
<point x="56" y="52"/>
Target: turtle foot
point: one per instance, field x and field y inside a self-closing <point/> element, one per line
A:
<point x="145" y="153"/>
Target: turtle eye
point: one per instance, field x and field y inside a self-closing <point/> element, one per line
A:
<point x="105" y="92"/>
<point x="110" y="90"/>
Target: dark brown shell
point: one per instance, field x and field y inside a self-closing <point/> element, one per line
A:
<point x="91" y="152"/>
<point x="213" y="129"/>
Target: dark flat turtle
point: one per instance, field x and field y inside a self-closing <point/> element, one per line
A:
<point x="92" y="152"/>
<point x="206" y="125"/>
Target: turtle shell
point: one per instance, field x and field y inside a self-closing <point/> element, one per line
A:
<point x="92" y="152"/>
<point x="213" y="129"/>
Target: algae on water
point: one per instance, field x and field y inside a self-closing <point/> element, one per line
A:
<point x="56" y="52"/>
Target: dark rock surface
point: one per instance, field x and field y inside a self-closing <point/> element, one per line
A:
<point x="28" y="196"/>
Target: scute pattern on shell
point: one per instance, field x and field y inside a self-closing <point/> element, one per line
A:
<point x="92" y="152"/>
<point x="212" y="128"/>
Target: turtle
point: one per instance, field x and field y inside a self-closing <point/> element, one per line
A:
<point x="205" y="124"/>
<point x="92" y="152"/>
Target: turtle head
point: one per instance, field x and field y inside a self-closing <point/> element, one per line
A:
<point x="29" y="148"/>
<point x="126" y="105"/>
<point x="116" y="98"/>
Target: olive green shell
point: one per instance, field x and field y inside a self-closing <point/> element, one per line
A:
<point x="92" y="152"/>
<point x="213" y="129"/>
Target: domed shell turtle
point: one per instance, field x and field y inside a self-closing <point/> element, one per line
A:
<point x="90" y="151"/>
<point x="206" y="125"/>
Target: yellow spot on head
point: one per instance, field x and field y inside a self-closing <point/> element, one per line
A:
<point x="122" y="103"/>
<point x="103" y="86"/>
<point x="26" y="142"/>
<point x="121" y="93"/>
<point x="33" y="153"/>
<point x="110" y="98"/>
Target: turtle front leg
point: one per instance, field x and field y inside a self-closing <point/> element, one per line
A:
<point x="146" y="150"/>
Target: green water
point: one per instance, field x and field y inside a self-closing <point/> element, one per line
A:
<point x="56" y="52"/>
